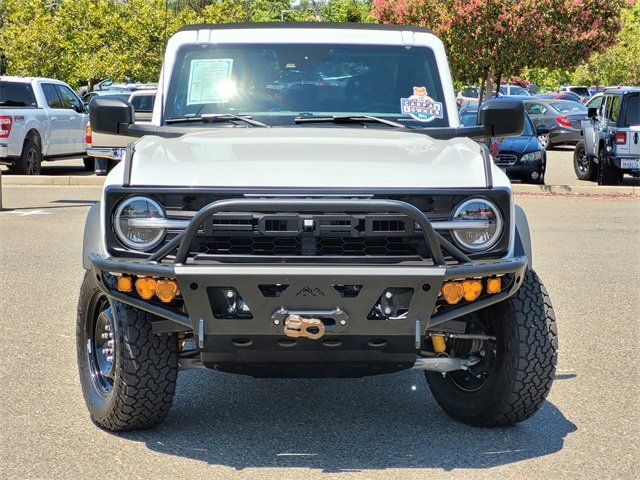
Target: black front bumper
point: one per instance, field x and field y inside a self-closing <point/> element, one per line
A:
<point x="257" y="345"/>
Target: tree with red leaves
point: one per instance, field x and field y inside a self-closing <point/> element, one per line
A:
<point x="494" y="39"/>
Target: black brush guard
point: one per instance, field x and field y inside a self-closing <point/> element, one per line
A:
<point x="254" y="345"/>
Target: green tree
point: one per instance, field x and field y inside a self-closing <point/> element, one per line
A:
<point x="347" y="11"/>
<point x="226" y="11"/>
<point x="85" y="40"/>
<point x="29" y="42"/>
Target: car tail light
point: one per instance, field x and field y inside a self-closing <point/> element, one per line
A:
<point x="620" y="138"/>
<point x="563" y="121"/>
<point x="6" y="122"/>
<point x="88" y="135"/>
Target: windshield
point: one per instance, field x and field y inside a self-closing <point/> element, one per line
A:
<point x="567" y="106"/>
<point x="469" y="119"/>
<point x="583" y="91"/>
<point x="471" y="92"/>
<point x="513" y="90"/>
<point x="281" y="82"/>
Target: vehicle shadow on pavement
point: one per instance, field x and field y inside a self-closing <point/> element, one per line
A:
<point x="337" y="425"/>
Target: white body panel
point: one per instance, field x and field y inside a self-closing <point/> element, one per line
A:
<point x="61" y="131"/>
<point x="307" y="157"/>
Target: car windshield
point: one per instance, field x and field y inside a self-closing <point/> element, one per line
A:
<point x="567" y="106"/>
<point x="471" y="92"/>
<point x="582" y="91"/>
<point x="516" y="90"/>
<point x="469" y="119"/>
<point x="281" y="82"/>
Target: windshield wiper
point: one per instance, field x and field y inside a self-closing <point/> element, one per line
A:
<point x="349" y="119"/>
<point x="217" y="118"/>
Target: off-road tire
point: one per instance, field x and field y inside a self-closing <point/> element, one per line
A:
<point x="524" y="366"/>
<point x="30" y="160"/>
<point x="608" y="174"/>
<point x="89" y="164"/>
<point x="585" y="167"/>
<point x="145" y="369"/>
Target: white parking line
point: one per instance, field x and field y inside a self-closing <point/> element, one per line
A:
<point x="28" y="212"/>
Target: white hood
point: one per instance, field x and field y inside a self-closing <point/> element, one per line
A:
<point x="307" y="157"/>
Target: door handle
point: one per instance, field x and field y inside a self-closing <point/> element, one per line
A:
<point x="635" y="138"/>
<point x="54" y="118"/>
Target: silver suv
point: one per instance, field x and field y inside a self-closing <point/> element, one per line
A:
<point x="611" y="144"/>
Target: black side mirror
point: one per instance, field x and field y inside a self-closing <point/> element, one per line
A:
<point x="542" y="131"/>
<point x="107" y="114"/>
<point x="592" y="112"/>
<point x="505" y="117"/>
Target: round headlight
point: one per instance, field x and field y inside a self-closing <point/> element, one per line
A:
<point x="134" y="223"/>
<point x="480" y="235"/>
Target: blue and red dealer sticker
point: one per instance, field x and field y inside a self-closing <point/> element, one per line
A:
<point x="420" y="106"/>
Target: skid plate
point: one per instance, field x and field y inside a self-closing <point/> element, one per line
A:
<point x="310" y="289"/>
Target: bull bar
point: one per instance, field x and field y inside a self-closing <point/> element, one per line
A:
<point x="415" y="275"/>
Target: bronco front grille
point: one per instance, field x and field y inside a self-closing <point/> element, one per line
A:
<point x="314" y="235"/>
<point x="238" y="236"/>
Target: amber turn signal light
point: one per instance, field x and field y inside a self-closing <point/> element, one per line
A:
<point x="166" y="290"/>
<point x="125" y="284"/>
<point x="452" y="292"/>
<point x="146" y="288"/>
<point x="494" y="285"/>
<point x="472" y="289"/>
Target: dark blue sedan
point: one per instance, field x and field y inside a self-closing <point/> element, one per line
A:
<point x="523" y="158"/>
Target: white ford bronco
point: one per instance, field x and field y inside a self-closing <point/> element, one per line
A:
<point x="305" y="203"/>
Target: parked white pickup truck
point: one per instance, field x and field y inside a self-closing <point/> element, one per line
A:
<point x="40" y="119"/>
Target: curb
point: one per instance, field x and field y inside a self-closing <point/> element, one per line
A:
<point x="576" y="190"/>
<point x="92" y="180"/>
<point x="57" y="180"/>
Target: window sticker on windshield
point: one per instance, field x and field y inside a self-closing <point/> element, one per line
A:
<point x="210" y="81"/>
<point x="420" y="106"/>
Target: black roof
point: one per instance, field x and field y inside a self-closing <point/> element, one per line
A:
<point x="347" y="26"/>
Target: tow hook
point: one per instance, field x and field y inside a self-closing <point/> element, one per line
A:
<point x="297" y="326"/>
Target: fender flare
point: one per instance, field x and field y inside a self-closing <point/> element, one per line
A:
<point x="92" y="240"/>
<point x="523" y="235"/>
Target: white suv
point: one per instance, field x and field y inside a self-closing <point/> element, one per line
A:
<point x="306" y="204"/>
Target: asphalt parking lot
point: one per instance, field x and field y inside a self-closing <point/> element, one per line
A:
<point x="225" y="426"/>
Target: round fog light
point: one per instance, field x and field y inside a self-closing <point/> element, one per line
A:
<point x="535" y="175"/>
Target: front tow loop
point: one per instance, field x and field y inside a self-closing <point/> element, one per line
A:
<point x="296" y="326"/>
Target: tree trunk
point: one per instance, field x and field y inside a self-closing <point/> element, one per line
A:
<point x="489" y="82"/>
